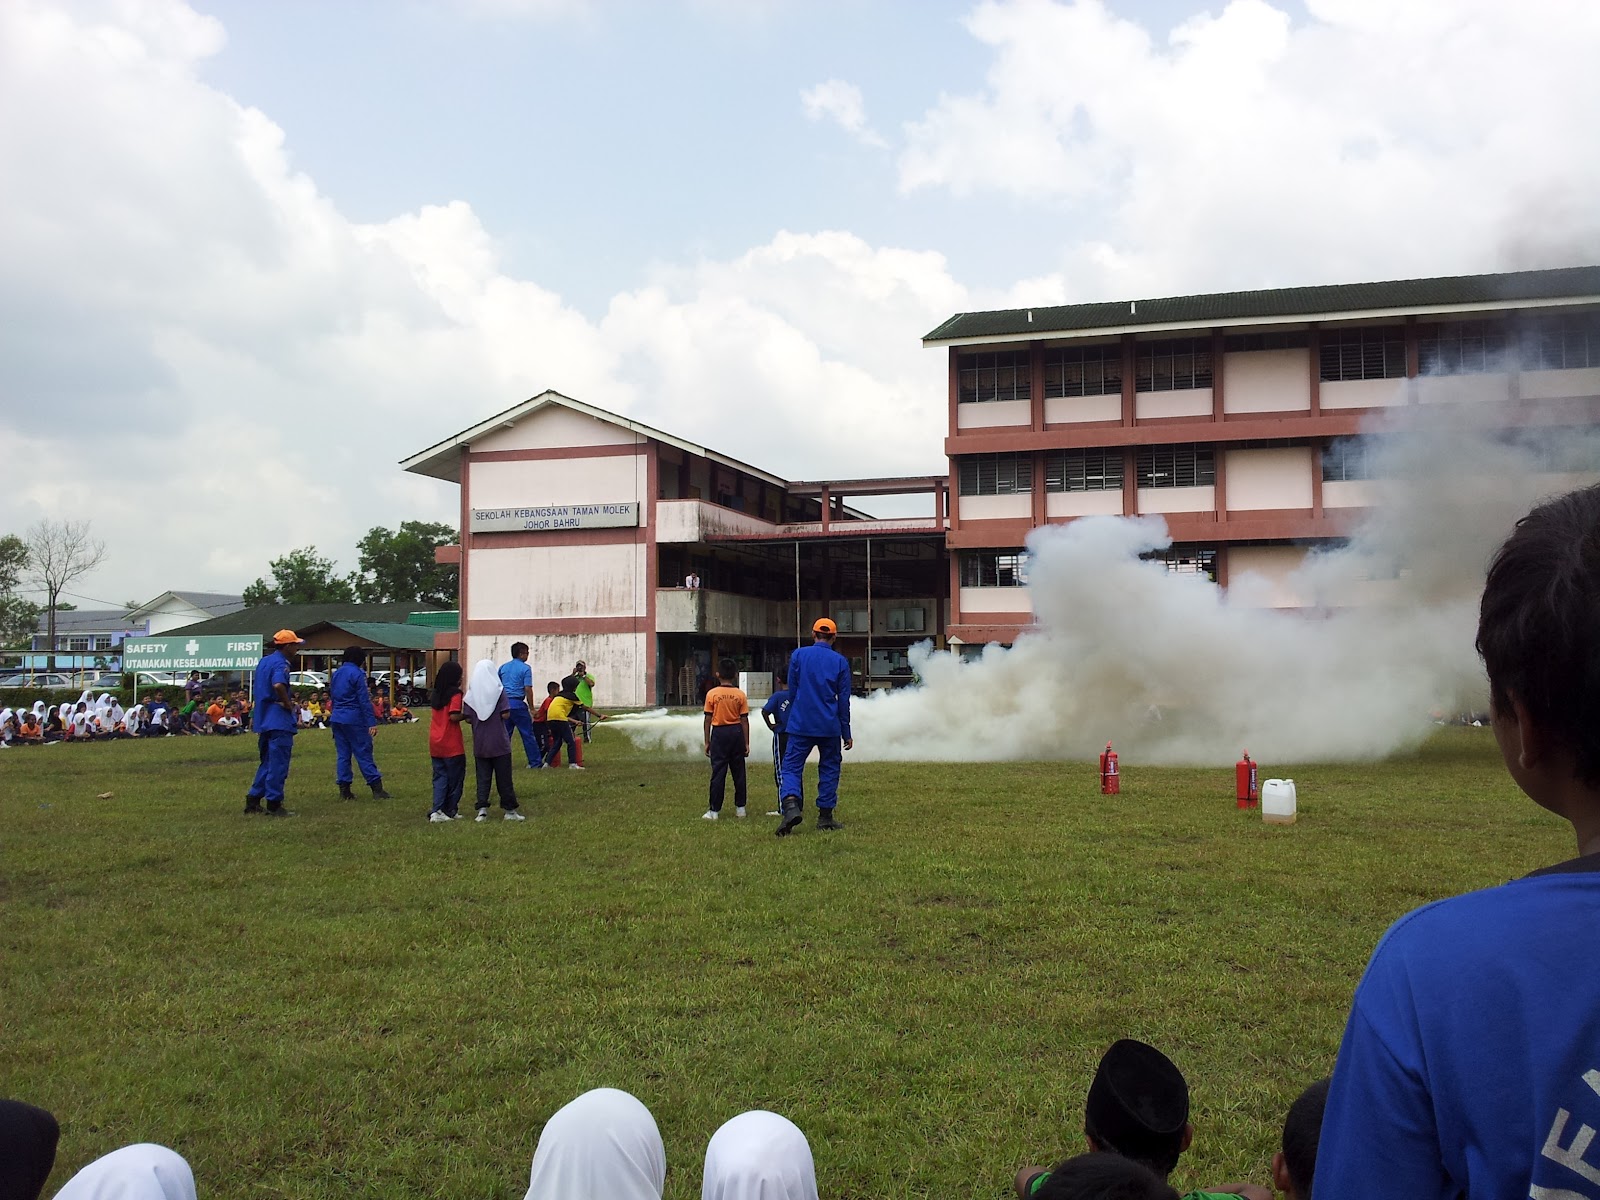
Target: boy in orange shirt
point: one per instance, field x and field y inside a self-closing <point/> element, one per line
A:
<point x="727" y="736"/>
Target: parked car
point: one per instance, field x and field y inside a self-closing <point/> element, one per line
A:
<point x="40" y="681"/>
<point x="308" y="679"/>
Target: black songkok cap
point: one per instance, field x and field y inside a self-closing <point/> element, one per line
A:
<point x="1138" y="1105"/>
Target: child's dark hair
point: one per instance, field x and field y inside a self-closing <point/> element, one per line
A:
<point x="1539" y="624"/>
<point x="1103" y="1177"/>
<point x="445" y="684"/>
<point x="727" y="669"/>
<point x="1302" y="1129"/>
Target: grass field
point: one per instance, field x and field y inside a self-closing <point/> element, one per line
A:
<point x="357" y="1003"/>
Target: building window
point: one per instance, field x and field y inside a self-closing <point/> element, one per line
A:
<point x="1461" y="348"/>
<point x="1002" y="375"/>
<point x="994" y="568"/>
<point x="1186" y="560"/>
<point x="77" y="645"/>
<point x="1347" y="459"/>
<point x="1083" y="471"/>
<point x="102" y="641"/>
<point x="1239" y="343"/>
<point x="996" y="474"/>
<point x="1172" y="365"/>
<point x="1561" y="343"/>
<point x="1176" y="466"/>
<point x="1375" y="353"/>
<point x="1083" y="371"/>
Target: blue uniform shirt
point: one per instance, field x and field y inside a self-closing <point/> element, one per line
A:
<point x="1470" y="1066"/>
<point x="819" y="692"/>
<point x="515" y="677"/>
<point x="270" y="715"/>
<point x="777" y="707"/>
<point x="352" y="699"/>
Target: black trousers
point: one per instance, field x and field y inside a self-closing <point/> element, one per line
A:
<point x="500" y="770"/>
<point x="727" y="758"/>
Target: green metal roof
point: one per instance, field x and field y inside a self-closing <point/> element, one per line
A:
<point x="268" y="619"/>
<point x="447" y="619"/>
<point x="1511" y="288"/>
<point x="389" y="635"/>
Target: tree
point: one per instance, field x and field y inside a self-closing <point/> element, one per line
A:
<point x="398" y="565"/>
<point x="18" y="617"/>
<point x="58" y="553"/>
<point x="300" y="577"/>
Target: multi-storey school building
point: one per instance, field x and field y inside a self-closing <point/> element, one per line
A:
<point x="1230" y="415"/>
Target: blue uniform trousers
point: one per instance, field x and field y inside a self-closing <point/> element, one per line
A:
<point x="354" y="738"/>
<point x="830" y="757"/>
<point x="275" y="746"/>
<point x="522" y="722"/>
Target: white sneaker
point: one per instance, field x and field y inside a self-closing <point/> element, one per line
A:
<point x="458" y="816"/>
<point x="738" y="812"/>
<point x="438" y="817"/>
<point x="710" y="816"/>
<point x="514" y="815"/>
<point x="574" y="767"/>
<point x="483" y="815"/>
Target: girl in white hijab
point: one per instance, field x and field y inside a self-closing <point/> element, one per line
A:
<point x="142" y="1172"/>
<point x="7" y="730"/>
<point x="759" y="1156"/>
<point x="483" y="690"/>
<point x="602" y="1146"/>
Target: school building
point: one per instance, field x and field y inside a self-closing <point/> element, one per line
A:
<point x="1232" y="415"/>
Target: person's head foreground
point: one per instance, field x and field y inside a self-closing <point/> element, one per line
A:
<point x="519" y="651"/>
<point x="1539" y="635"/>
<point x="142" y="1172"/>
<point x="1104" y="1176"/>
<point x="1138" y="1107"/>
<point x="354" y="654"/>
<point x="823" y="630"/>
<point x="1294" y="1167"/>
<point x="28" y="1138"/>
<point x="759" y="1156"/>
<point x="602" y="1146"/>
<point x="728" y="672"/>
<point x="445" y="684"/>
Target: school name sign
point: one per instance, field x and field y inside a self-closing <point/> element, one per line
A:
<point x="555" y="516"/>
<point x="236" y="652"/>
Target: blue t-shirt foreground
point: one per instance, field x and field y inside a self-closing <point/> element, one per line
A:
<point x="1470" y="1066"/>
<point x="516" y="676"/>
<point x="819" y="692"/>
<point x="270" y="715"/>
<point x="777" y="707"/>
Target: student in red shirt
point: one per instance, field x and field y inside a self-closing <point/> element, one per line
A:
<point x="445" y="744"/>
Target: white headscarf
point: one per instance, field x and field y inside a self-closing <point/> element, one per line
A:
<point x="602" y="1146"/>
<point x="483" y="693"/>
<point x="87" y="697"/>
<point x="142" y="1172"/>
<point x="65" y="713"/>
<point x="39" y="710"/>
<point x="759" y="1156"/>
<point x="133" y="719"/>
<point x="114" y="714"/>
<point x="5" y="724"/>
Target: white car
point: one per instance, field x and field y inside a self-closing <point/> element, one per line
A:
<point x="308" y="679"/>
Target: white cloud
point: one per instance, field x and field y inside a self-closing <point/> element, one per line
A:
<point x="838" y="101"/>
<point x="204" y="356"/>
<point x="1369" y="140"/>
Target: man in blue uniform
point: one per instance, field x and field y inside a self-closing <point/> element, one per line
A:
<point x="516" y="677"/>
<point x="275" y="721"/>
<point x="819" y="715"/>
<point x="353" y="725"/>
<point x="1470" y="1066"/>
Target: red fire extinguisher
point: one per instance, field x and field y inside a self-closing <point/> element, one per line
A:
<point x="1246" y="783"/>
<point x="1110" y="781"/>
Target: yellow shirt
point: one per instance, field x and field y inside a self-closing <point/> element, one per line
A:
<point x="560" y="709"/>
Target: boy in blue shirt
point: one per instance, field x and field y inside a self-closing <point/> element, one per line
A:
<point x="1470" y="1066"/>
<point x="775" y="713"/>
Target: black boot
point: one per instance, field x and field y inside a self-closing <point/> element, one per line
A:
<point x="345" y="793"/>
<point x="252" y="804"/>
<point x="278" y="810"/>
<point x="788" y="815"/>
<point x="377" y="791"/>
<point x="825" y="819"/>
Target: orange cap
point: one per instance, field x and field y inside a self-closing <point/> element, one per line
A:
<point x="823" y="625"/>
<point x="287" y="637"/>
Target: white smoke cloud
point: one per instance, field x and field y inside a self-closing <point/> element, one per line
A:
<point x="1173" y="670"/>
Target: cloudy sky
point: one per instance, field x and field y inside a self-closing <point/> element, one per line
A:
<point x="253" y="254"/>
